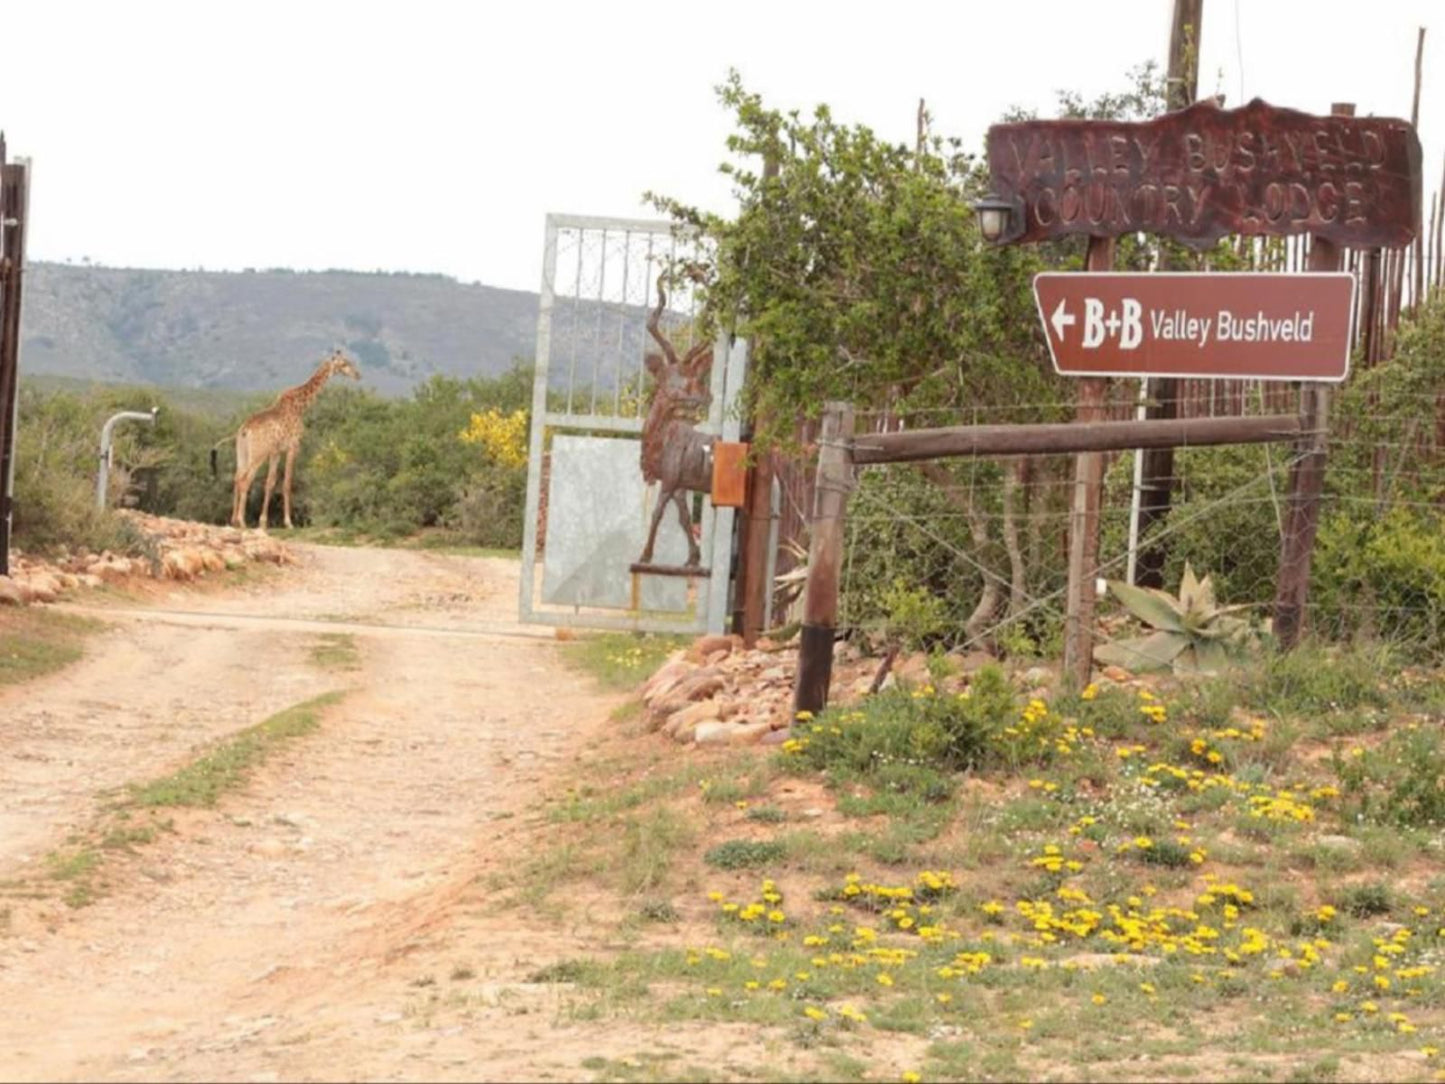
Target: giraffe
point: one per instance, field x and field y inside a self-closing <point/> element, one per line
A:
<point x="268" y="433"/>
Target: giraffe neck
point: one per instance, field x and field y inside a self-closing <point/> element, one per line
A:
<point x="303" y="395"/>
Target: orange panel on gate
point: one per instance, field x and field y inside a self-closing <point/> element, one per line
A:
<point x="729" y="474"/>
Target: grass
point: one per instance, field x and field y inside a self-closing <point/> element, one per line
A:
<point x="36" y="642"/>
<point x="620" y="660"/>
<point x="201" y="783"/>
<point x="133" y="822"/>
<point x="873" y="919"/>
<point x="336" y="651"/>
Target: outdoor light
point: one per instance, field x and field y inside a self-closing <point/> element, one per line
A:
<point x="993" y="215"/>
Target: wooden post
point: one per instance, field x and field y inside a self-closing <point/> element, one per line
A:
<point x="825" y="558"/>
<point x="14" y="193"/>
<point x="1307" y="477"/>
<point x="1156" y="475"/>
<point x="754" y="588"/>
<point x="1084" y="520"/>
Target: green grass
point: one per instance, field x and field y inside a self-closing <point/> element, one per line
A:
<point x="202" y="782"/>
<point x="336" y="651"/>
<point x="34" y="643"/>
<point x="619" y="660"/>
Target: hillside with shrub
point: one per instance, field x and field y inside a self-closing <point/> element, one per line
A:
<point x="265" y="330"/>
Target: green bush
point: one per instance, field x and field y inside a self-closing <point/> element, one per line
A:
<point x="926" y="727"/>
<point x="383" y="467"/>
<point x="1400" y="782"/>
<point x="1383" y="577"/>
<point x="744" y="854"/>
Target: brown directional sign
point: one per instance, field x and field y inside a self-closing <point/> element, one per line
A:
<point x="1213" y="326"/>
<point x="1204" y="172"/>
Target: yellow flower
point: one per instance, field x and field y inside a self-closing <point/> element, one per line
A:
<point x="1429" y="1051"/>
<point x="1098" y="999"/>
<point x="1147" y="987"/>
<point x="944" y="999"/>
<point x="1025" y="1024"/>
<point x="812" y="1012"/>
<point x="885" y="979"/>
<point x="910" y="1077"/>
<point x="713" y="991"/>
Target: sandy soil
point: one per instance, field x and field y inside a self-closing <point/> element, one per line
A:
<point x="278" y="936"/>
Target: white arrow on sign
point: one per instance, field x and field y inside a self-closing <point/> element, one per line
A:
<point x="1061" y="319"/>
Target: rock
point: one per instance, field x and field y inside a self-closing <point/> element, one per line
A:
<point x="213" y="561"/>
<point x="704" y="646"/>
<point x="268" y="848"/>
<point x="705" y="711"/>
<point x="1036" y="676"/>
<point x="971" y="662"/>
<point x="90" y="581"/>
<point x="232" y="558"/>
<point x="1340" y="843"/>
<point x="1116" y="673"/>
<point x="777" y="736"/>
<point x="10" y="593"/>
<point x="713" y="733"/>
<point x="666" y="678"/>
<point x="749" y="733"/>
<point x="41" y="587"/>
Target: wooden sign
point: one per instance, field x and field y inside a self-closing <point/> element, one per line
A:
<point x="1204" y="172"/>
<point x="1267" y="326"/>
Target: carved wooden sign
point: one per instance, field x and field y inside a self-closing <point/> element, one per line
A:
<point x="1204" y="172"/>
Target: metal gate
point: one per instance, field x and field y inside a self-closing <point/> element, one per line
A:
<point x="587" y="506"/>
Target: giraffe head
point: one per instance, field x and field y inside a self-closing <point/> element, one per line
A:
<point x="338" y="364"/>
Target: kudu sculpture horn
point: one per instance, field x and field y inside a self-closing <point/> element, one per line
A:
<point x="674" y="453"/>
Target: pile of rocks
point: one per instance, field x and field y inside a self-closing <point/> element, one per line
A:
<point x="719" y="693"/>
<point x="180" y="551"/>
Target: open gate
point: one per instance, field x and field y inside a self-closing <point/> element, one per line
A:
<point x="588" y="509"/>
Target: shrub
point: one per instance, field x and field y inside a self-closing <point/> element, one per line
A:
<point x="744" y="854"/>
<point x="1399" y="783"/>
<point x="927" y="728"/>
<point x="1382" y="576"/>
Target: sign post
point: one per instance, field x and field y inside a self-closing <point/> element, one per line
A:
<point x="1256" y="326"/>
<point x="1197" y="175"/>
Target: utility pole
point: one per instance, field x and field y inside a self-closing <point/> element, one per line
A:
<point x="1156" y="478"/>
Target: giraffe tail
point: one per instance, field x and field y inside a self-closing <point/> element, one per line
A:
<point x="215" y="454"/>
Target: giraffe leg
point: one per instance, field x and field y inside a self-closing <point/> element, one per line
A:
<point x="243" y="490"/>
<point x="286" y="487"/>
<point x="646" y="558"/>
<point x="240" y="484"/>
<point x="270" y="488"/>
<point x="694" y="555"/>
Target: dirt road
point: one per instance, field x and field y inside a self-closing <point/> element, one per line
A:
<point x="261" y="941"/>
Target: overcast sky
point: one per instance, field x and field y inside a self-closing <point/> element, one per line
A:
<point x="426" y="136"/>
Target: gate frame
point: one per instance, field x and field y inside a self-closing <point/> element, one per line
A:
<point x="730" y="357"/>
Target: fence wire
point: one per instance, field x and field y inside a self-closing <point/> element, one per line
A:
<point x="973" y="553"/>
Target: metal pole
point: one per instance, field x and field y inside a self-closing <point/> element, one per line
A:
<point x="1136" y="499"/>
<point x="102" y="477"/>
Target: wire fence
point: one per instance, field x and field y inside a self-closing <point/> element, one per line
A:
<point x="973" y="553"/>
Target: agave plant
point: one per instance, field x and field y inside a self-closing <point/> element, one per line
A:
<point x="1192" y="633"/>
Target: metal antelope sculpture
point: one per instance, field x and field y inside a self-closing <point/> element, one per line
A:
<point x="674" y="453"/>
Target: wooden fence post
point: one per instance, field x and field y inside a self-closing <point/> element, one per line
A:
<point x="1306" y="477"/>
<point x="825" y="558"/>
<point x="1084" y="519"/>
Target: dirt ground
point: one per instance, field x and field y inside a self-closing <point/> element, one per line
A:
<point x="281" y="935"/>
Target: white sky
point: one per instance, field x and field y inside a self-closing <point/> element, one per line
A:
<point x="427" y="136"/>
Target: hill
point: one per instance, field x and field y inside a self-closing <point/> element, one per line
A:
<point x="261" y="330"/>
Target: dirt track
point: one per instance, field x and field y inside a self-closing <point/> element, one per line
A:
<point x="261" y="941"/>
